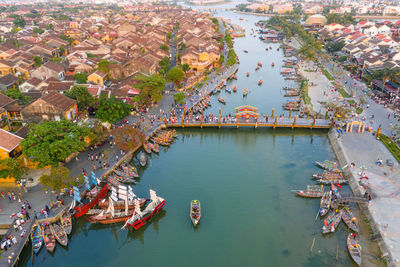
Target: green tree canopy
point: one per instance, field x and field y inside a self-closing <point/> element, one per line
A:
<point x="81" y="77"/>
<point x="185" y="67"/>
<point x="58" y="178"/>
<point x="334" y="46"/>
<point x="49" y="26"/>
<point x="164" y="47"/>
<point x="19" y="22"/>
<point x="81" y="94"/>
<point x="342" y="19"/>
<point x="50" y="142"/>
<point x="151" y="87"/>
<point x="165" y="65"/>
<point x="180" y="98"/>
<point x="11" y="167"/>
<point x="175" y="74"/>
<point x="104" y="66"/>
<point x="14" y="93"/>
<point x="111" y="110"/>
<point x="38" y="30"/>
<point x="38" y="61"/>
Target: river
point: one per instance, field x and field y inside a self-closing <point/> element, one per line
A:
<point x="243" y="179"/>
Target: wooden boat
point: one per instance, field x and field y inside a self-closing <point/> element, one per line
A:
<point x="328" y="165"/>
<point x="331" y="222"/>
<point x="312" y="191"/>
<point x="143" y="159"/>
<point x="113" y="216"/>
<point x="257" y="68"/>
<point x="273" y="64"/>
<point x="354" y="248"/>
<point x="247" y="74"/>
<point x="147" y="148"/>
<point x="59" y="234"/>
<point x="245" y="92"/>
<point x="195" y="212"/>
<point x="259" y="64"/>
<point x="227" y="89"/>
<point x="245" y="51"/>
<point x="260" y="82"/>
<point x="140" y="218"/>
<point x="325" y="203"/>
<point x="120" y="205"/>
<point x="221" y="100"/>
<point x="48" y="237"/>
<point x="328" y="175"/>
<point x="37" y="237"/>
<point x="66" y="222"/>
<point x="90" y="201"/>
<point x="349" y="219"/>
<point x="335" y="191"/>
<point x="234" y="88"/>
<point x="332" y="181"/>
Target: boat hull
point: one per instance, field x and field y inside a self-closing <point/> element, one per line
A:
<point x="139" y="223"/>
<point x="82" y="210"/>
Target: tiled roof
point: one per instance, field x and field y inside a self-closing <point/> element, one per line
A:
<point x="9" y="141"/>
<point x="58" y="100"/>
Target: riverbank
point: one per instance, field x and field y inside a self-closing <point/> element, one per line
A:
<point x="383" y="211"/>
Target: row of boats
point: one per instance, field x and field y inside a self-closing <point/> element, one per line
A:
<point x="333" y="176"/>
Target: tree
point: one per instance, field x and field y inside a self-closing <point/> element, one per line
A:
<point x="179" y="98"/>
<point x="66" y="38"/>
<point x="14" y="93"/>
<point x="38" y="30"/>
<point x="151" y="87"/>
<point x="81" y="94"/>
<point x="111" y="110"/>
<point x="127" y="137"/>
<point x="50" y="142"/>
<point x="49" y="26"/>
<point x="175" y="74"/>
<point x="165" y="65"/>
<point x="182" y="46"/>
<point x="185" y="67"/>
<point x="58" y="178"/>
<point x="11" y="167"/>
<point x="61" y="50"/>
<point x="104" y="66"/>
<point x="19" y="22"/>
<point x="164" y="47"/>
<point x="81" y="77"/>
<point x="37" y="60"/>
<point x="334" y="46"/>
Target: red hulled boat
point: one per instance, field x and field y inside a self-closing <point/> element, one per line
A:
<point x="89" y="202"/>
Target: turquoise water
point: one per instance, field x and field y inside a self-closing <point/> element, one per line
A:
<point x="243" y="179"/>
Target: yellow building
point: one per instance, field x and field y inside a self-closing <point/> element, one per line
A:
<point x="97" y="77"/>
<point x="200" y="62"/>
<point x="6" y="67"/>
<point x="4" y="123"/>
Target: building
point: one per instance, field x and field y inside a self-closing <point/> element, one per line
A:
<point x="315" y="21"/>
<point x="54" y="106"/>
<point x="97" y="77"/>
<point x="8" y="82"/>
<point x="9" y="145"/>
<point x="49" y="69"/>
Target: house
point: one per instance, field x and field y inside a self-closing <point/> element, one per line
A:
<point x="6" y="67"/>
<point x="54" y="106"/>
<point x="9" y="145"/>
<point x="8" y="81"/>
<point x="31" y="84"/>
<point x="58" y="86"/>
<point x="49" y="69"/>
<point x="97" y="77"/>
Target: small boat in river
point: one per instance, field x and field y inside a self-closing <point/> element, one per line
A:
<point x="59" y="234"/>
<point x="143" y="159"/>
<point x="155" y="147"/>
<point x="331" y="166"/>
<point x="354" y="248"/>
<point x="195" y="212"/>
<point x="259" y="64"/>
<point x="333" y="181"/>
<point x="228" y="89"/>
<point x="66" y="222"/>
<point x="335" y="191"/>
<point x="260" y="82"/>
<point x="331" y="222"/>
<point x="350" y="220"/>
<point x="37" y="237"/>
<point x="312" y="191"/>
<point x="234" y="88"/>
<point x="221" y="100"/>
<point x="247" y="74"/>
<point x="245" y="51"/>
<point x="257" y="68"/>
<point x="245" y="92"/>
<point x="48" y="238"/>
<point x="325" y="203"/>
<point x="273" y="64"/>
<point x="147" y="148"/>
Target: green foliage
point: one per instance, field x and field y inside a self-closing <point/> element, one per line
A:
<point x="164" y="47"/>
<point x="147" y="25"/>
<point x="89" y="55"/>
<point x="48" y="143"/>
<point x="111" y="110"/>
<point x="182" y="46"/>
<point x="38" y="30"/>
<point x="304" y="92"/>
<point x="343" y="93"/>
<point x="11" y="167"/>
<point x="66" y="38"/>
<point x="151" y="88"/>
<point x="221" y="59"/>
<point x="228" y="39"/>
<point x="61" y="50"/>
<point x="391" y="146"/>
<point x="165" y="65"/>
<point x="327" y="74"/>
<point x="175" y="74"/>
<point x="64" y="17"/>
<point x="104" y="66"/>
<point x="342" y="19"/>
<point x="81" y="94"/>
<point x="185" y="67"/>
<point x="231" y="58"/>
<point x="16" y="94"/>
<point x="334" y="46"/>
<point x="15" y="29"/>
<point x="179" y="98"/>
<point x="169" y="35"/>
<point x="243" y="8"/>
<point x="58" y="178"/>
<point x="37" y="60"/>
<point x="19" y="22"/>
<point x="56" y="59"/>
<point x="49" y="26"/>
<point x="81" y="78"/>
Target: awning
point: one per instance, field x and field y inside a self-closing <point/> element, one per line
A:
<point x="133" y="91"/>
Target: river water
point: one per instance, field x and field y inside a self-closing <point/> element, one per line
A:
<point x="243" y="179"/>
